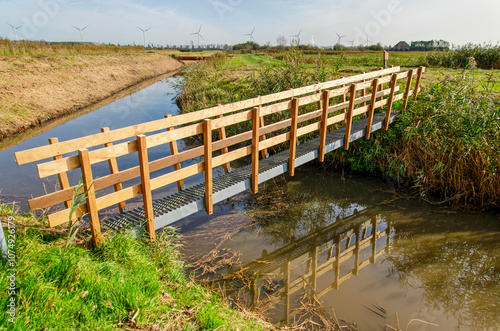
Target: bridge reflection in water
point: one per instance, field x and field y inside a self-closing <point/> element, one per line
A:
<point x="312" y="266"/>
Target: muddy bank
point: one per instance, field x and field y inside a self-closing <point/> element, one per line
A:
<point x="37" y="89"/>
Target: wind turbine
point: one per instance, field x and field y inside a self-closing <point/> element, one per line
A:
<point x="297" y="36"/>
<point x="367" y="41"/>
<point x="340" y="37"/>
<point x="144" y="34"/>
<point x="199" y="35"/>
<point x="352" y="42"/>
<point x="15" y="29"/>
<point x="81" y="35"/>
<point x="250" y="34"/>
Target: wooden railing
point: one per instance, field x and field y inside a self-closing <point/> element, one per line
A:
<point x="259" y="110"/>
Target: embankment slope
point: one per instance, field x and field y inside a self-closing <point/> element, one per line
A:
<point x="37" y="89"/>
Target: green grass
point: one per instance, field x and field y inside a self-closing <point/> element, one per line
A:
<point x="76" y="288"/>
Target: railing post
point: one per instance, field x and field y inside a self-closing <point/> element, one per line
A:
<point x="390" y="100"/>
<point x="62" y="176"/>
<point x="324" y="125"/>
<point x="88" y="186"/>
<point x="146" y="186"/>
<point x="224" y="150"/>
<point x="174" y="150"/>
<point x="255" y="149"/>
<point x="371" y="109"/>
<point x="407" y="90"/>
<point x="357" y="251"/>
<point x="337" y="262"/>
<point x="374" y="240"/>
<point x="262" y="138"/>
<point x="417" y="83"/>
<point x="363" y="94"/>
<point x="207" y="143"/>
<point x="349" y="116"/>
<point x="294" y="114"/>
<point x="113" y="168"/>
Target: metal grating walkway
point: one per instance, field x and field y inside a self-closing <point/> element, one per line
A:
<point x="191" y="200"/>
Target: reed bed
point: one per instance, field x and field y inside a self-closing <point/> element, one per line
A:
<point x="9" y="47"/>
<point x="486" y="56"/>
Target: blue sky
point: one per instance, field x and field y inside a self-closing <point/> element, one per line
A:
<point x="226" y="21"/>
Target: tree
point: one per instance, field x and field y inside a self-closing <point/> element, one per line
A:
<point x="281" y="41"/>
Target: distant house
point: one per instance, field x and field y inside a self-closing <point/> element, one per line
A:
<point x="429" y="45"/>
<point x="402" y="46"/>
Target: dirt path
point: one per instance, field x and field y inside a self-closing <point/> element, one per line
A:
<point x="38" y="89"/>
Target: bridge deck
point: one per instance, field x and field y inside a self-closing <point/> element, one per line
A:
<point x="191" y="200"/>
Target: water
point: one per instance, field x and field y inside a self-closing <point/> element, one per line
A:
<point x="426" y="263"/>
<point x="20" y="183"/>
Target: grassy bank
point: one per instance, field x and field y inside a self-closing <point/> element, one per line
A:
<point x="37" y="86"/>
<point x="127" y="284"/>
<point x="445" y="147"/>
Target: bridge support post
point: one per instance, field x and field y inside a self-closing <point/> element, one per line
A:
<point x="394" y="81"/>
<point x="349" y="116"/>
<point x="407" y="90"/>
<point x="294" y="114"/>
<point x="207" y="135"/>
<point x="62" y="176"/>
<point x="371" y="108"/>
<point x="224" y="150"/>
<point x="174" y="150"/>
<point x="113" y="169"/>
<point x="88" y="186"/>
<point x="255" y="148"/>
<point x="146" y="186"/>
<point x="417" y="82"/>
<point x="324" y="125"/>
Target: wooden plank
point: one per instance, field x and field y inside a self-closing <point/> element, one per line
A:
<point x="349" y="117"/>
<point x="62" y="176"/>
<point x="224" y="150"/>
<point x="172" y="177"/>
<point x="324" y="125"/>
<point x="294" y="114"/>
<point x="104" y="154"/>
<point x="263" y="137"/>
<point x="43" y="152"/>
<point x="407" y="90"/>
<point x="390" y="102"/>
<point x="147" y="197"/>
<point x="207" y="143"/>
<point x="232" y="156"/>
<point x="88" y="185"/>
<point x="113" y="169"/>
<point x="420" y="71"/>
<point x="255" y="150"/>
<point x="276" y="140"/>
<point x="174" y="151"/>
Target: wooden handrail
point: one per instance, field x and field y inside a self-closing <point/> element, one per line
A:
<point x="299" y="123"/>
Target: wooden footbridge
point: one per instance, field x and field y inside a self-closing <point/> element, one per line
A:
<point x="323" y="117"/>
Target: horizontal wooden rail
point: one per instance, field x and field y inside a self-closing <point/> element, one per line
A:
<point x="359" y="101"/>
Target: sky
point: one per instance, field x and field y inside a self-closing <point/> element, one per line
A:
<point x="172" y="22"/>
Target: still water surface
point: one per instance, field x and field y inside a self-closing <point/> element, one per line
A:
<point x="314" y="233"/>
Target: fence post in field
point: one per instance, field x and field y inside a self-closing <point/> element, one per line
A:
<point x="88" y="186"/>
<point x="407" y="90"/>
<point x="174" y="150"/>
<point x="294" y="114"/>
<point x="147" y="197"/>
<point x="224" y="150"/>
<point x="371" y="108"/>
<point x="255" y="148"/>
<point x="62" y="176"/>
<point x="113" y="169"/>
<point x="349" y="116"/>
<point x="417" y="83"/>
<point x="207" y="143"/>
<point x="324" y="125"/>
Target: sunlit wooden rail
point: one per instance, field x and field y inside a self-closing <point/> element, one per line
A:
<point x="275" y="119"/>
